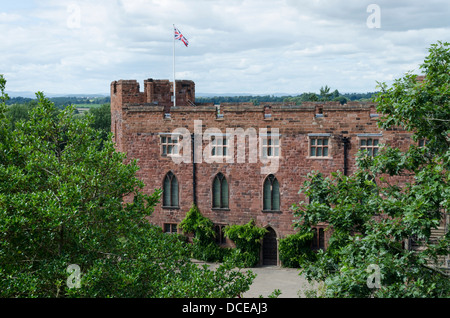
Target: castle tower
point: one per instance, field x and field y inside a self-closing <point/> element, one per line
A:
<point x="156" y="93"/>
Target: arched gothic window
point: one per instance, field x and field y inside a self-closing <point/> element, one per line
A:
<point x="271" y="194"/>
<point x="170" y="190"/>
<point x="220" y="192"/>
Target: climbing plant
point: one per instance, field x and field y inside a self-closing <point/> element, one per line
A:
<point x="295" y="247"/>
<point x="204" y="246"/>
<point x="247" y="239"/>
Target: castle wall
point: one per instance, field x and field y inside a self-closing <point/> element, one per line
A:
<point x="138" y="121"/>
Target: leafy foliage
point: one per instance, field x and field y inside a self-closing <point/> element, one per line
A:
<point x="195" y="223"/>
<point x="101" y="119"/>
<point x="61" y="203"/>
<point x="371" y="216"/>
<point x="325" y="94"/>
<point x="295" y="247"/>
<point x="18" y="112"/>
<point x="247" y="239"/>
<point x="204" y="246"/>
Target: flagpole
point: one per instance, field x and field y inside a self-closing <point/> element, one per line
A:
<point x="174" y="83"/>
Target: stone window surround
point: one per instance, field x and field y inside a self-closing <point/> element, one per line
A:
<point x="320" y="136"/>
<point x="373" y="136"/>
<point x="167" y="144"/>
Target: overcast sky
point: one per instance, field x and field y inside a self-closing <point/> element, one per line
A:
<point x="254" y="46"/>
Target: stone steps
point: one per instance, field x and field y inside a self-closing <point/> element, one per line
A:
<point x="443" y="262"/>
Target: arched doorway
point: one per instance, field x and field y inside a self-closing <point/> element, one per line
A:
<point x="270" y="248"/>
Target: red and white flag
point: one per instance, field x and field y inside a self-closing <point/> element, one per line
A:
<point x="179" y="36"/>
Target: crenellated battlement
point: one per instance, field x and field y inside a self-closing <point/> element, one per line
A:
<point x="127" y="94"/>
<point x="157" y="92"/>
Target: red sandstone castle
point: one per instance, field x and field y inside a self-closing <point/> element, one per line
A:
<point x="227" y="175"/>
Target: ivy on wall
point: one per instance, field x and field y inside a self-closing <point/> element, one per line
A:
<point x="295" y="247"/>
<point x="204" y="247"/>
<point x="247" y="239"/>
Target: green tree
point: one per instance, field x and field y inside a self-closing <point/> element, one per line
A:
<point x="102" y="119"/>
<point x="310" y="97"/>
<point x="325" y="94"/>
<point x="61" y="204"/>
<point x="18" y="112"/>
<point x="370" y="217"/>
<point x="335" y="94"/>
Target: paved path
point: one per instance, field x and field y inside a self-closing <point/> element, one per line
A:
<point x="270" y="278"/>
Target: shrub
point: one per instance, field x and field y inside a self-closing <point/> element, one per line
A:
<point x="247" y="238"/>
<point x="204" y="247"/>
<point x="295" y="247"/>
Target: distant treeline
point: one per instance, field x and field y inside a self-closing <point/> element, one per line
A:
<point x="60" y="102"/>
<point x="17" y="112"/>
<point x="305" y="97"/>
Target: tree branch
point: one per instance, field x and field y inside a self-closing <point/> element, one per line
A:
<point x="437" y="119"/>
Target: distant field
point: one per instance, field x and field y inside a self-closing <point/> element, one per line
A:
<point x="82" y="108"/>
<point x="87" y="105"/>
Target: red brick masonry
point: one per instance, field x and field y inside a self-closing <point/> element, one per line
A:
<point x="140" y="118"/>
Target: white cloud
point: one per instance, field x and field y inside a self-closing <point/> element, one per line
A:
<point x="249" y="46"/>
